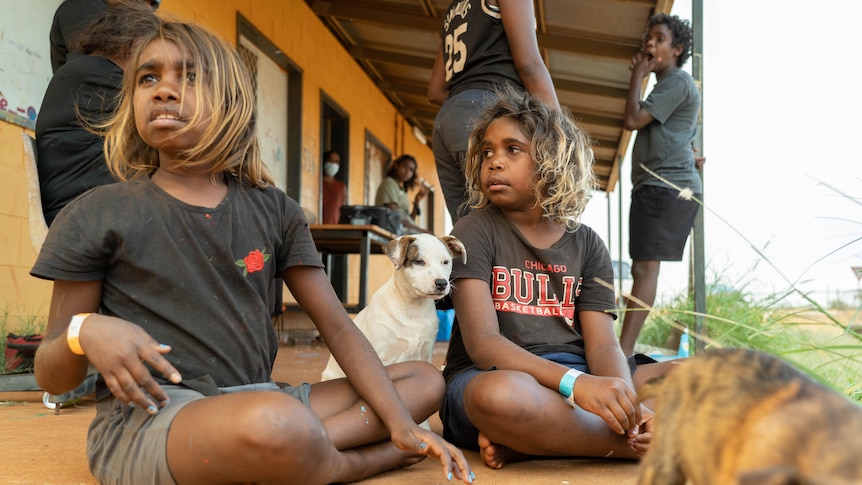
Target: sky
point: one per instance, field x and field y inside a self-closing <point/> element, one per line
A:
<point x="782" y="192"/>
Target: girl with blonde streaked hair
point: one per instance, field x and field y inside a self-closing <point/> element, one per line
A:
<point x="534" y="368"/>
<point x="561" y="149"/>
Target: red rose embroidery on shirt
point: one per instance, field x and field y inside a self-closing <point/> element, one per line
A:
<point x="255" y="261"/>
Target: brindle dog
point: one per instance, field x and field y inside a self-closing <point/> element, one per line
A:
<point x="737" y="416"/>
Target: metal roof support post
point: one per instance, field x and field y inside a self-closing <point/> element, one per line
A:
<point x="697" y="247"/>
<point x="610" y="232"/>
<point x="620" y="224"/>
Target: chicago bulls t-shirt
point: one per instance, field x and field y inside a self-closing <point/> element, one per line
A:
<point x="537" y="292"/>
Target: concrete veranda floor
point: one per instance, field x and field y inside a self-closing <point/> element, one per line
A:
<point x="41" y="448"/>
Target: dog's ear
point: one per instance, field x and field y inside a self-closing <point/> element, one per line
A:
<point x="396" y="249"/>
<point x="455" y="246"/>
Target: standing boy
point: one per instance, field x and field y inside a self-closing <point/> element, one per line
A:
<point x="659" y="220"/>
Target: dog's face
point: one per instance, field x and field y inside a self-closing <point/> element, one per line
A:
<point x="425" y="261"/>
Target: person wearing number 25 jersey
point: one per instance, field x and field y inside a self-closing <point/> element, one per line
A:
<point x="484" y="43"/>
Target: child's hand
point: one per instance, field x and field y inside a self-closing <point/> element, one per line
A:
<point x="640" y="441"/>
<point x="611" y="399"/>
<point x="424" y="189"/>
<point x="425" y="442"/>
<point x="118" y="349"/>
<point x="643" y="64"/>
<point x="698" y="161"/>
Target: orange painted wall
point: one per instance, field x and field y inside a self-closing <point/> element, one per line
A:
<point x="326" y="66"/>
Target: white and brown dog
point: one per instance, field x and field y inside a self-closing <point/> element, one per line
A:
<point x="401" y="321"/>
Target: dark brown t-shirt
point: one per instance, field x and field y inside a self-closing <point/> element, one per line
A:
<point x="194" y="278"/>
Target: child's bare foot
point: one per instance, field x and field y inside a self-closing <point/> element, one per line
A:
<point x="496" y="456"/>
<point x="365" y="461"/>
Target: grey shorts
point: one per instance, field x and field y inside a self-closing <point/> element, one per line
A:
<point x="127" y="445"/>
<point x="452" y="128"/>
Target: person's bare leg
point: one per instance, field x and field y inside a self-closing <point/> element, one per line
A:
<point x="514" y="413"/>
<point x="257" y="437"/>
<point x="350" y="422"/>
<point x="644" y="283"/>
<point x="353" y="426"/>
<point x="270" y="437"/>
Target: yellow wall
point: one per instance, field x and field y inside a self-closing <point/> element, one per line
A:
<point x="326" y="67"/>
<point x="21" y="295"/>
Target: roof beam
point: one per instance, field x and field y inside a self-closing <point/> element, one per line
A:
<point x="589" y="88"/>
<point x="645" y="3"/>
<point x="376" y="55"/>
<point x="619" y="48"/>
<point x="604" y="140"/>
<point x="576" y="41"/>
<point x="404" y="86"/>
<point x="378" y="15"/>
<point x="418" y="111"/>
<point x="588" y="119"/>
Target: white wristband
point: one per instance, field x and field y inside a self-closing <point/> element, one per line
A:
<point x="567" y="385"/>
<point x="73" y="332"/>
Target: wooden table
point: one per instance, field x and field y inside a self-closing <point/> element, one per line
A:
<point x="364" y="240"/>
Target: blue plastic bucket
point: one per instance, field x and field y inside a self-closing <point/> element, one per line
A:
<point x="444" y="329"/>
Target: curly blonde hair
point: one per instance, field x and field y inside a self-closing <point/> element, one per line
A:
<point x="562" y="152"/>
<point x="229" y="142"/>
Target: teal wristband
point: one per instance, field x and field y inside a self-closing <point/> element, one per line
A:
<point x="567" y="383"/>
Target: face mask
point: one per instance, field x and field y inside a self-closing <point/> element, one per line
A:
<point x="330" y="169"/>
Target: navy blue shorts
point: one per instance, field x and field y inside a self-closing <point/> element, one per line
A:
<point x="457" y="428"/>
<point x="659" y="223"/>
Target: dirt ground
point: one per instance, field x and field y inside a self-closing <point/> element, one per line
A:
<point x="41" y="448"/>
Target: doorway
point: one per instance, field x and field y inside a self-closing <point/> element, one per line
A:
<point x="334" y="135"/>
<point x="278" y="87"/>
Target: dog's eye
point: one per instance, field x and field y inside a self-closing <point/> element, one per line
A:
<point x="419" y="262"/>
<point x="447" y="262"/>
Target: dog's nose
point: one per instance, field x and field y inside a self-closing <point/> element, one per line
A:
<point x="441" y="284"/>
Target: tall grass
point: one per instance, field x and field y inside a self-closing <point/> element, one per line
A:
<point x="821" y="341"/>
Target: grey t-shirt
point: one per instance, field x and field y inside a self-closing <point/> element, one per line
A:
<point x="537" y="292"/>
<point x="664" y="145"/>
<point x="194" y="278"/>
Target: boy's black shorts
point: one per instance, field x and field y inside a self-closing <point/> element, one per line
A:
<point x="659" y="223"/>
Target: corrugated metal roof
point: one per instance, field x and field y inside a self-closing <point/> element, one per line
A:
<point x="587" y="46"/>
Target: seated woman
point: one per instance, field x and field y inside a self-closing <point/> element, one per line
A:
<point x="82" y="94"/>
<point x="400" y="179"/>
